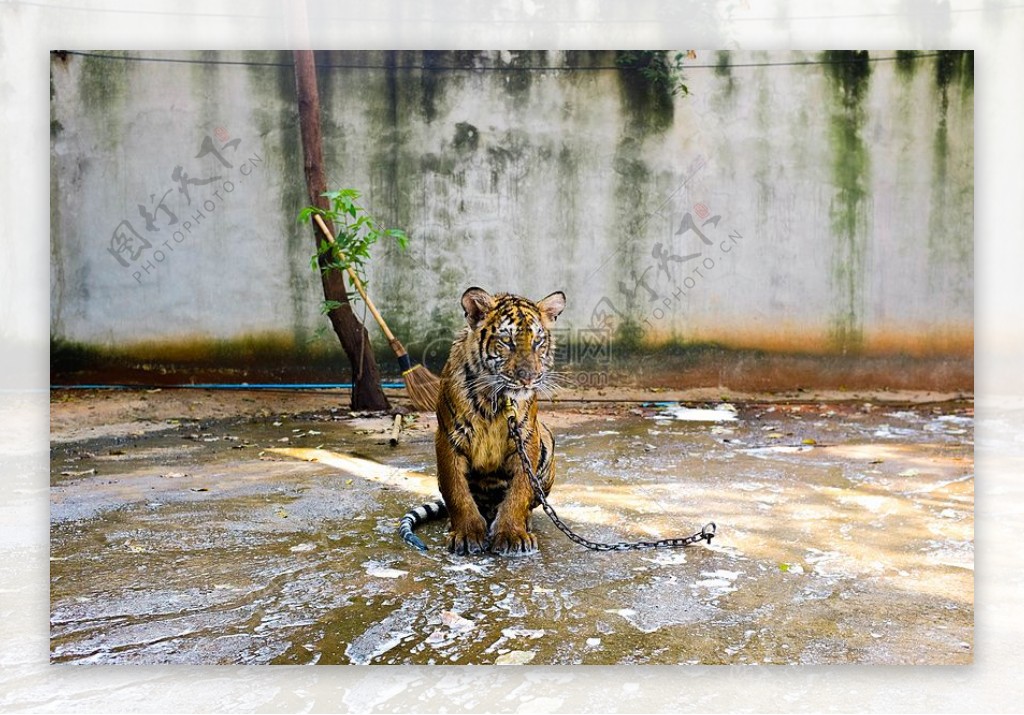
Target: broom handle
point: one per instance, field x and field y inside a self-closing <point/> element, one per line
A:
<point x="395" y="345"/>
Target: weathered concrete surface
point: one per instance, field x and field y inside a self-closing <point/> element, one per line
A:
<point x="259" y="528"/>
<point x="834" y="192"/>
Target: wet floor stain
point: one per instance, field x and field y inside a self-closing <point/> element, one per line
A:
<point x="845" y="535"/>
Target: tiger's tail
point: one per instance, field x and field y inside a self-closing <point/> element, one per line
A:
<point x="415" y="517"/>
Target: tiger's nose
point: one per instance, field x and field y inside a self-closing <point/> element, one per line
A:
<point x="524" y="375"/>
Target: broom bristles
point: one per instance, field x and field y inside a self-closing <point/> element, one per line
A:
<point x="423" y="387"/>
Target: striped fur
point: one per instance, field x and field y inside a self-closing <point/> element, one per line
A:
<point x="505" y="351"/>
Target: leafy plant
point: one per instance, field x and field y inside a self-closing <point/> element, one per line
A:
<point x="663" y="73"/>
<point x="355" y="232"/>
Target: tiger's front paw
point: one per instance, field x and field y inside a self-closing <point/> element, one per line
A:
<point x="514" y="542"/>
<point x="468" y="539"/>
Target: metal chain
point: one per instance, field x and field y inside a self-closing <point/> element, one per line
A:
<point x="706" y="533"/>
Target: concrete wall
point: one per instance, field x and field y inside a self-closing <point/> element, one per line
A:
<point x="834" y="198"/>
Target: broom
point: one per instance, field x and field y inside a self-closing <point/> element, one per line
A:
<point x="421" y="384"/>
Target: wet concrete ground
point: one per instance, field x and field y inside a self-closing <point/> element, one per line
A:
<point x="845" y="535"/>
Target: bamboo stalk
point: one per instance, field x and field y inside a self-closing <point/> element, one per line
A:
<point x="422" y="385"/>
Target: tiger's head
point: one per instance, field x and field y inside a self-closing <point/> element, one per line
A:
<point x="513" y="341"/>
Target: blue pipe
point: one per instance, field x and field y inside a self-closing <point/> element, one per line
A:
<point x="229" y="386"/>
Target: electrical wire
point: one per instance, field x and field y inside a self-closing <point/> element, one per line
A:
<point x="507" y="68"/>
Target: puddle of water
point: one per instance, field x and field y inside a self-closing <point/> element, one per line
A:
<point x="274" y="542"/>
<point x="681" y="413"/>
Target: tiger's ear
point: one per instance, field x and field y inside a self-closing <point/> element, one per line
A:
<point x="552" y="306"/>
<point x="475" y="304"/>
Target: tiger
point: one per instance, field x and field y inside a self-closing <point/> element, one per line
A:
<point x="504" y="352"/>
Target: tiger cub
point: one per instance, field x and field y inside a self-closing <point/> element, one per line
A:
<point x="505" y="351"/>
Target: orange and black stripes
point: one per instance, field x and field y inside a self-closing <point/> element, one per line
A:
<point x="504" y="352"/>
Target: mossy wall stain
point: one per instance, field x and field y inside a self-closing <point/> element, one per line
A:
<point x="519" y="76"/>
<point x="951" y="219"/>
<point x="58" y="63"/>
<point x="517" y="185"/>
<point x="278" y="141"/>
<point x="395" y="184"/>
<point x="848" y="73"/>
<point x="648" y="104"/>
<point x="420" y="159"/>
<point x="206" y="74"/>
<point x="104" y="91"/>
<point x="629" y="265"/>
<point x="255" y="357"/>
<point x="646" y="110"/>
<point x="723" y="71"/>
<point x="508" y="156"/>
<point x="905" y="64"/>
<point x="765" y="116"/>
<point x="294" y="196"/>
<point x="431" y="82"/>
<point x="466" y="139"/>
<point x="567" y="227"/>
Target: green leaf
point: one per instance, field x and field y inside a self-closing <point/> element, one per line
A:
<point x="335" y="264"/>
<point x="328" y="305"/>
<point x="307" y="213"/>
<point x="400" y="237"/>
<point x="356" y="231"/>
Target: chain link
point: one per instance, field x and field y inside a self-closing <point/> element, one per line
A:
<point x="706" y="533"/>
